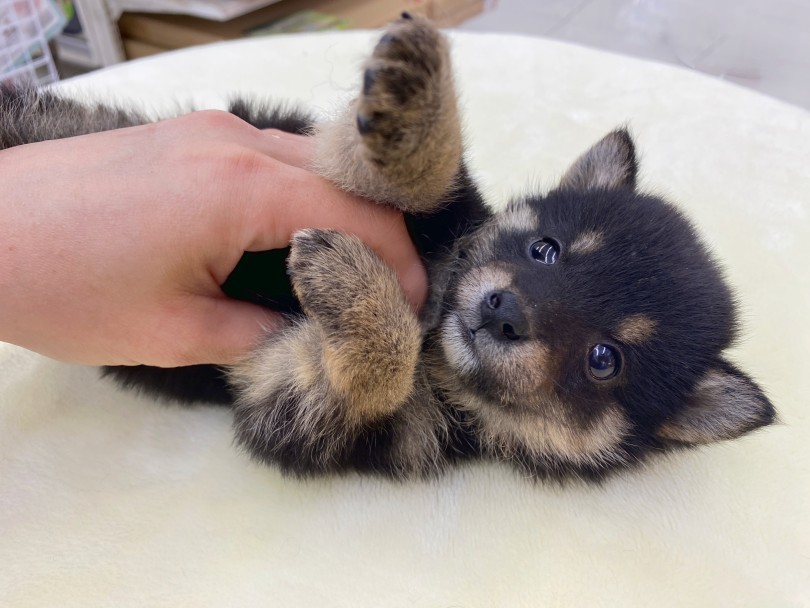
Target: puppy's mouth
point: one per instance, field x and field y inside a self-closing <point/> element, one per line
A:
<point x="470" y="334"/>
<point x="470" y="331"/>
<point x="458" y="344"/>
<point x="465" y="330"/>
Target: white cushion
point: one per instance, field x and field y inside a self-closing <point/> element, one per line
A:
<point x="109" y="499"/>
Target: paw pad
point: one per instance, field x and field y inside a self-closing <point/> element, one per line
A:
<point x="364" y="125"/>
<point x="388" y="38"/>
<point x="369" y="78"/>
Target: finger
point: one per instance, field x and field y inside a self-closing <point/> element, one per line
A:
<point x="288" y="148"/>
<point x="220" y="331"/>
<point x="414" y="282"/>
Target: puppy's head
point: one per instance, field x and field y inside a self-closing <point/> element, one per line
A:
<point x="585" y="329"/>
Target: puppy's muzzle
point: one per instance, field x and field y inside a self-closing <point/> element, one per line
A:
<point x="502" y="317"/>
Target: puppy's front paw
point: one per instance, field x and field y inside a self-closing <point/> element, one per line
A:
<point x="338" y="278"/>
<point x="400" y="141"/>
<point x="322" y="269"/>
<point x="407" y="91"/>
<point x="372" y="337"/>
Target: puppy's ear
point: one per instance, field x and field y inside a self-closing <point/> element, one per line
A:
<point x="610" y="163"/>
<point x="724" y="405"/>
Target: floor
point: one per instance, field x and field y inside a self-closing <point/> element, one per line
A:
<point x="761" y="44"/>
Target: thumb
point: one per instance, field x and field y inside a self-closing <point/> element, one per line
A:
<point x="221" y="331"/>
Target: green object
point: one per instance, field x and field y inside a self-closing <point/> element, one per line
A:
<point x="68" y="9"/>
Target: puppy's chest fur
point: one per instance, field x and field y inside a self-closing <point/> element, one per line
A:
<point x="573" y="334"/>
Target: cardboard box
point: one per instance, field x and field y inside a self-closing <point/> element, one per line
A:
<point x="179" y="31"/>
<point x="450" y="13"/>
<point x="134" y="49"/>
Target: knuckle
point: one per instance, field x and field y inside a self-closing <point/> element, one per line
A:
<point x="183" y="356"/>
<point x="237" y="173"/>
<point x="242" y="163"/>
<point x="219" y="120"/>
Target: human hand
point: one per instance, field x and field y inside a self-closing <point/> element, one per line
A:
<point x="113" y="246"/>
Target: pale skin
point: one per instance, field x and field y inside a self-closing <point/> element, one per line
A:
<point x="113" y="246"/>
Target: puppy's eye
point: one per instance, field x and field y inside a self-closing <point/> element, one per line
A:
<point x="546" y="251"/>
<point x="603" y="362"/>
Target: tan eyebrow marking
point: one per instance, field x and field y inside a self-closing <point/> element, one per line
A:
<point x="587" y="242"/>
<point x="517" y="218"/>
<point x="636" y="329"/>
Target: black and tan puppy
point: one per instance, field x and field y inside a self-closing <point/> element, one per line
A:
<point x="573" y="334"/>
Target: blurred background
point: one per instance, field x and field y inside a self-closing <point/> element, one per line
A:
<point x="760" y="44"/>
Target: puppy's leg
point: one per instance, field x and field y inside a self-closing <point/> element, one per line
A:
<point x="326" y="393"/>
<point x="400" y="140"/>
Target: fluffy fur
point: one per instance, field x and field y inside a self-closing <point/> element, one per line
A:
<point x="573" y="334"/>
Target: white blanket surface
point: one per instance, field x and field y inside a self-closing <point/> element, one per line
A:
<point x="110" y="499"/>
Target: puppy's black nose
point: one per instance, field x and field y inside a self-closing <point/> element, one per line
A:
<point x="502" y="317"/>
